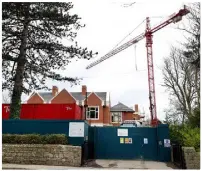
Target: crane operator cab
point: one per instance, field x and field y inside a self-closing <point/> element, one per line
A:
<point x="130" y="123"/>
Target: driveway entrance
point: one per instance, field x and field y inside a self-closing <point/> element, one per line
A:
<point x="141" y="143"/>
<point x="130" y="164"/>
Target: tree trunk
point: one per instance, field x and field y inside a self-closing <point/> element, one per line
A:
<point x="18" y="80"/>
<point x="183" y="118"/>
<point x="196" y="84"/>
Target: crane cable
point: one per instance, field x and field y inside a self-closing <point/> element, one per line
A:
<point x="136" y="61"/>
<point x="135" y="29"/>
<point x="129" y="34"/>
<point x="135" y="57"/>
<point x="134" y="45"/>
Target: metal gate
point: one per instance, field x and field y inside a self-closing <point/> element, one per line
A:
<point x="129" y="143"/>
<point x="177" y="154"/>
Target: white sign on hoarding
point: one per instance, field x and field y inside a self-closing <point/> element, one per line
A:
<point x="145" y="140"/>
<point x="122" y="132"/>
<point x="76" y="129"/>
<point x="130" y="140"/>
<point x="166" y="143"/>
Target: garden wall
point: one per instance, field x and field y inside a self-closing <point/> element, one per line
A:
<point x="63" y="155"/>
<point x="191" y="157"/>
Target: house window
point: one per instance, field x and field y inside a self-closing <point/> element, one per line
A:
<point x="92" y="113"/>
<point x="116" y="117"/>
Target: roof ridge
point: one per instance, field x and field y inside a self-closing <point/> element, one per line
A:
<point x="73" y="91"/>
<point x="45" y="92"/>
<point x="77" y="95"/>
<point x="121" y="107"/>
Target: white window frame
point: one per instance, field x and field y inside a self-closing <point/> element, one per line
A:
<point x="121" y="117"/>
<point x="87" y="113"/>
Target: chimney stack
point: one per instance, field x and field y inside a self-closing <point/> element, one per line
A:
<point x="84" y="90"/>
<point x="54" y="91"/>
<point x="136" y="109"/>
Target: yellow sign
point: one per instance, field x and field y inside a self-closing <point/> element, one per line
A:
<point x="122" y="140"/>
<point x="126" y="140"/>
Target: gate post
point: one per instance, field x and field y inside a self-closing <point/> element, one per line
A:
<point x="164" y="148"/>
<point x="95" y="141"/>
<point x="157" y="142"/>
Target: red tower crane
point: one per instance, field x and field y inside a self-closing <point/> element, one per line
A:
<point x="148" y="34"/>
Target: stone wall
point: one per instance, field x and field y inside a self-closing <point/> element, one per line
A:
<point x="63" y="155"/>
<point x="191" y="157"/>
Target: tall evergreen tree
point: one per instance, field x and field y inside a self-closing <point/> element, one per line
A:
<point x="32" y="36"/>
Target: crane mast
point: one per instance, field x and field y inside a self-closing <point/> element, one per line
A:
<point x="148" y="34"/>
<point x="152" y="98"/>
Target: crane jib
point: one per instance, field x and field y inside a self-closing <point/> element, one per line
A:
<point x="117" y="50"/>
<point x="173" y="18"/>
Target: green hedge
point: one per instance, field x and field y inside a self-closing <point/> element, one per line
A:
<point x="34" y="139"/>
<point x="185" y="135"/>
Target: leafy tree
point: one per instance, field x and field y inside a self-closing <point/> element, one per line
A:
<point x="32" y="35"/>
<point x="194" y="119"/>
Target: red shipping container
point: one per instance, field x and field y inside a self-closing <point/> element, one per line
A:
<point x="27" y="111"/>
<point x="46" y="111"/>
<point x="78" y="112"/>
<point x="69" y="111"/>
<point x="5" y="111"/>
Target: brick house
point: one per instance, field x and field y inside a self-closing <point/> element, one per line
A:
<point x="97" y="112"/>
<point x="98" y="109"/>
<point x="121" y="112"/>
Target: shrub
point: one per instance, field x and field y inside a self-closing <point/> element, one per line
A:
<point x="185" y="136"/>
<point x="175" y="135"/>
<point x="34" y="139"/>
<point x="191" y="137"/>
<point x="8" y="138"/>
<point x="56" y="139"/>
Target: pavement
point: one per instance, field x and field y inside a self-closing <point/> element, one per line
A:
<point x="98" y="164"/>
<point x="9" y="166"/>
<point x="131" y="164"/>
